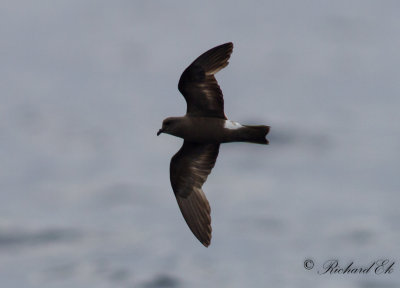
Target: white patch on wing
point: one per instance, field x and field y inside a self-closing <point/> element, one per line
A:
<point x="232" y="125"/>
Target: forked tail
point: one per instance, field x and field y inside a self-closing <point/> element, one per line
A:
<point x="255" y="134"/>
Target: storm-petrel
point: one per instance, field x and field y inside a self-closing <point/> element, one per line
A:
<point x="203" y="129"/>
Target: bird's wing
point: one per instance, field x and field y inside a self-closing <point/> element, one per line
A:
<point x="189" y="169"/>
<point x="198" y="85"/>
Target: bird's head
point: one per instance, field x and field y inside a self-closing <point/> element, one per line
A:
<point x="168" y="126"/>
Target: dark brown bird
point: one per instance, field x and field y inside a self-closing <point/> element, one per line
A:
<point x="203" y="128"/>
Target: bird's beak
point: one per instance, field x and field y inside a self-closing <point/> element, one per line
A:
<point x="159" y="132"/>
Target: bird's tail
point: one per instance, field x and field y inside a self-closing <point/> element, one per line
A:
<point x="255" y="134"/>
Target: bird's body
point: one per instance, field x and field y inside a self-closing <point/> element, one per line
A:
<point x="216" y="130"/>
<point x="203" y="128"/>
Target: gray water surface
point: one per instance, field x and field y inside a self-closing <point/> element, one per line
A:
<point x="85" y="198"/>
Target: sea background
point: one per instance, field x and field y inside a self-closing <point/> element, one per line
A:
<point x="85" y="198"/>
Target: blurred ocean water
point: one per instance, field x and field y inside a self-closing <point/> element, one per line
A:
<point x="85" y="198"/>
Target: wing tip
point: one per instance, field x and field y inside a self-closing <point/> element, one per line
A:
<point x="204" y="236"/>
<point x="197" y="213"/>
<point x="206" y="243"/>
<point x="215" y="59"/>
<point x="205" y="239"/>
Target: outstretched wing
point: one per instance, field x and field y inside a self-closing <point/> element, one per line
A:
<point x="198" y="85"/>
<point x="189" y="169"/>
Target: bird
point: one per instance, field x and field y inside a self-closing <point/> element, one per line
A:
<point x="203" y="128"/>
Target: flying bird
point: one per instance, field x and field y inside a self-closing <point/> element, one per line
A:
<point x="203" y="129"/>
